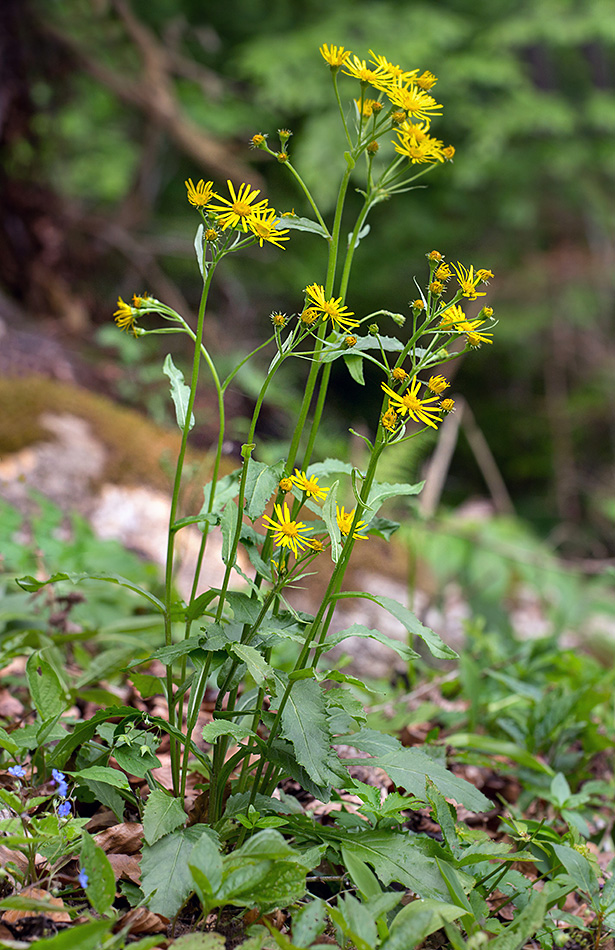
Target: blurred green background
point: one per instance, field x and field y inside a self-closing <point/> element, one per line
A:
<point x="109" y="105"/>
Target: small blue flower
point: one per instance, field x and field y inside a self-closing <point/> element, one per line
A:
<point x="64" y="810"/>
<point x="17" y="770"/>
<point x="59" y="779"/>
<point x="83" y="879"/>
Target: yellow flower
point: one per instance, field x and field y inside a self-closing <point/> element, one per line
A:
<point x="336" y="56"/>
<point x="287" y="533"/>
<point x="485" y="275"/>
<point x="418" y="148"/>
<point x="139" y="300"/>
<point x="309" y="485"/>
<point x="258" y="141"/>
<point x="418" y="305"/>
<point x="467" y="281"/>
<point x="389" y="420"/>
<point x="344" y="523"/>
<point x="359" y="69"/>
<point x="369" y="107"/>
<point x="473" y="337"/>
<point x="414" y="101"/>
<point x="125" y="316"/>
<point x="437" y="384"/>
<point x="447" y="405"/>
<point x="278" y="319"/>
<point x="426" y="80"/>
<point x="387" y="72"/>
<point x="286" y="484"/>
<point x="399" y="374"/>
<point x="448" y="152"/>
<point x="316" y="546"/>
<point x="211" y="235"/>
<point x="309" y="316"/>
<point x="409" y="402"/>
<point x="443" y="272"/>
<point x="436" y="287"/>
<point x="333" y="307"/>
<point x="200" y="194"/>
<point x="240" y="206"/>
<point x="350" y="341"/>
<point x="486" y="312"/>
<point x="451" y="316"/>
<point x="263" y="225"/>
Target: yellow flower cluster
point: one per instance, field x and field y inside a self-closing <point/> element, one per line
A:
<point x="411" y="106"/>
<point x="241" y="211"/>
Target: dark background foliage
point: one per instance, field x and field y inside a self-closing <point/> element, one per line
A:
<point x="106" y="107"/>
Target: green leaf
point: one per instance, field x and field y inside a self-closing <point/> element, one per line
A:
<point x="261" y="482"/>
<point x="82" y="937"/>
<point x="412" y="624"/>
<point x="199" y="249"/>
<point x="308" y="923"/>
<point x="225" y="727"/>
<point x="329" y="515"/>
<point x="164" y="869"/>
<point x="100" y="889"/>
<point x="443" y="816"/>
<point x="381" y="491"/>
<point x="205" y="864"/>
<point x="107" y="795"/>
<point x="358" y="630"/>
<point x="199" y="941"/>
<point x="226" y="489"/>
<point x="7" y="743"/>
<point x="101" y="773"/>
<point x="364" y="879"/>
<point x="180" y="393"/>
<point x="228" y="524"/>
<point x="304" y="224"/>
<point x="161" y="815"/>
<point x="330" y="467"/>
<point x="305" y="725"/>
<point x="45" y="687"/>
<point x="258" y="668"/>
<point x="492" y="746"/>
<point x="418" y="920"/>
<point x="394" y="859"/>
<point x="579" y="869"/>
<point x="560" y="789"/>
<point x="136" y="760"/>
<point x="354" y="365"/>
<point x="31" y="584"/>
<point x="409" y="768"/>
<point x="523" y="927"/>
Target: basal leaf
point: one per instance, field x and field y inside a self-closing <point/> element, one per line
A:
<point x="395" y="860"/>
<point x="45" y="687"/>
<point x="180" y="393"/>
<point x="100" y="888"/>
<point x="165" y="871"/>
<point x="162" y="814"/>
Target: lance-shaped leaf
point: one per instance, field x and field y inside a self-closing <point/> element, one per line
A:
<point x="180" y="393"/>
<point x="303" y="224"/>
<point x="330" y="518"/>
<point x="258" y="668"/>
<point x="31" y="584"/>
<point x="393" y="858"/>
<point x="358" y="630"/>
<point x="380" y="491"/>
<point x="261" y="482"/>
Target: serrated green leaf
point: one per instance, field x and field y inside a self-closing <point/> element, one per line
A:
<point x="330" y="467"/>
<point x="205" y="864"/>
<point x="102" y="773"/>
<point x="579" y="869"/>
<point x="261" y="482"/>
<point x="161" y="815"/>
<point x="228" y="524"/>
<point x="394" y="859"/>
<point x="418" y="920"/>
<point x="31" y="584"/>
<point x="180" y="393"/>
<point x="164" y="869"/>
<point x="305" y="725"/>
<point x="45" y="687"/>
<point x="258" y="668"/>
<point x="100" y="889"/>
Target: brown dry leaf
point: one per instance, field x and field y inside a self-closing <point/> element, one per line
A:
<point x="10" y="708"/>
<point x="17" y="858"/>
<point x="125" y="838"/>
<point x="6" y="934"/>
<point x="60" y="916"/>
<point x="142" y="921"/>
<point x="125" y="866"/>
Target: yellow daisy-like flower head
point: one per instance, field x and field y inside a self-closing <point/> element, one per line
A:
<point x="418" y="305"/>
<point x="448" y="153"/>
<point x="485" y="275"/>
<point x="200" y="194"/>
<point x="350" y="341"/>
<point x="451" y="316"/>
<point x="285" y="484"/>
<point x="368" y="107"/>
<point x="419" y="148"/>
<point x="437" y="384"/>
<point x="258" y="141"/>
<point x="287" y="533"/>
<point x="414" y="101"/>
<point x="125" y="316"/>
<point x="138" y="300"/>
<point x="211" y="235"/>
<point x="309" y="316"/>
<point x="333" y="307"/>
<point x="436" y="287"/>
<point x="344" y="523"/>
<point x="264" y="226"/>
<point x="474" y="339"/>
<point x="358" y="69"/>
<point x="443" y="272"/>
<point x="234" y="212"/>
<point x="309" y="485"/>
<point x="278" y="319"/>
<point x="316" y="545"/>
<point x="389" y="420"/>
<point x="399" y="374"/>
<point x="486" y="312"/>
<point x="435" y="256"/>
<point x="426" y="80"/>
<point x="447" y="405"/>
<point x="468" y="281"/>
<point x="388" y="73"/>
<point x="408" y="402"/>
<point x="335" y="56"/>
